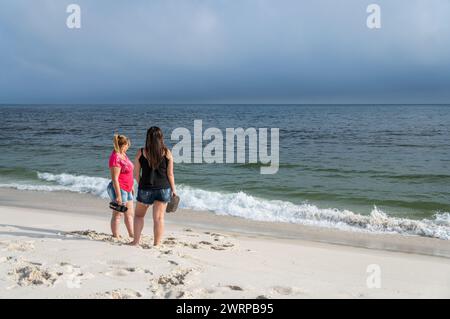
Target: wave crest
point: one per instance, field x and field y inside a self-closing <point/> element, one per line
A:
<point x="243" y="205"/>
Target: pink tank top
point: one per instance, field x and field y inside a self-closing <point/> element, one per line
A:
<point x="126" y="166"/>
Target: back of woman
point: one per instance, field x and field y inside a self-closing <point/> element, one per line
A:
<point x="154" y="172"/>
<point x="121" y="187"/>
<point x="153" y="178"/>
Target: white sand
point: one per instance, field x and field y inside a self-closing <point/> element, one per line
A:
<point x="40" y="258"/>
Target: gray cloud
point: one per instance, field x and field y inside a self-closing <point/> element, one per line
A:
<point x="286" y="51"/>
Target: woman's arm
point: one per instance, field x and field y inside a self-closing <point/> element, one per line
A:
<point x="115" y="172"/>
<point x="170" y="174"/>
<point x="137" y="166"/>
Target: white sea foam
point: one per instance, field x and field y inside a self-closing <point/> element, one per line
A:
<point x="243" y="205"/>
<point x="65" y="182"/>
<point x="30" y="187"/>
<point x="79" y="183"/>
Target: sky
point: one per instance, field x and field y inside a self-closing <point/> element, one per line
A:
<point x="222" y="51"/>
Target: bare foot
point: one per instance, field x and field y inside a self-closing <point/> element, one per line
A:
<point x="133" y="244"/>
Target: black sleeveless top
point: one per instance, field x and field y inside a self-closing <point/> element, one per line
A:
<point x="153" y="178"/>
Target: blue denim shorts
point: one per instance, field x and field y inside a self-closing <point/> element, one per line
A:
<point x="126" y="196"/>
<point x="148" y="196"/>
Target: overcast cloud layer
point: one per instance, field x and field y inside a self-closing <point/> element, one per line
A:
<point x="219" y="51"/>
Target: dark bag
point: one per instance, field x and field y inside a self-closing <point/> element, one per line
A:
<point x="173" y="204"/>
<point x="117" y="207"/>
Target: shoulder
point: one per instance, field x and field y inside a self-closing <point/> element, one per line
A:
<point x="168" y="154"/>
<point x="113" y="155"/>
<point x="114" y="160"/>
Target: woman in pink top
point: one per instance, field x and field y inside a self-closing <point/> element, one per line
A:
<point x="121" y="188"/>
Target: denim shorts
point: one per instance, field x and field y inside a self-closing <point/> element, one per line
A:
<point x="148" y="196"/>
<point x="126" y="196"/>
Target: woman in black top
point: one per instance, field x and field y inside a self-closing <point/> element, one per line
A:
<point x="153" y="170"/>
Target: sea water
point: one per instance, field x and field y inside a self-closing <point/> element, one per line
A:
<point x="373" y="168"/>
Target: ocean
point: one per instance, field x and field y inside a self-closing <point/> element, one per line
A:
<point x="365" y="168"/>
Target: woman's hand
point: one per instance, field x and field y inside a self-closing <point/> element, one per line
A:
<point x="119" y="201"/>
<point x="170" y="175"/>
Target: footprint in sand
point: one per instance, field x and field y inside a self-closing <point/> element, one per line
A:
<point x="217" y="248"/>
<point x="286" y="291"/>
<point x="282" y="290"/>
<point x="16" y="245"/>
<point x="117" y="262"/>
<point x="171" y="285"/>
<point x="123" y="271"/>
<point x="146" y="241"/>
<point x="235" y="288"/>
<point x="170" y="241"/>
<point x="120" y="294"/>
<point x="222" y="246"/>
<point x="12" y="259"/>
<point x="32" y="274"/>
<point x="217" y="241"/>
<point x="199" y="293"/>
<point x="164" y="251"/>
<point x="217" y="235"/>
<point x="191" y="232"/>
<point x="63" y="263"/>
<point x="126" y="271"/>
<point x="175" y="278"/>
<point x="96" y="236"/>
<point x="117" y="273"/>
<point x="3" y="259"/>
<point x="71" y="275"/>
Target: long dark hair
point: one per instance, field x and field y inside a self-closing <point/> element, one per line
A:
<point x="155" y="149"/>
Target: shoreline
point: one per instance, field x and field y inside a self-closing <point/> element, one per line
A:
<point x="57" y="245"/>
<point x="87" y="204"/>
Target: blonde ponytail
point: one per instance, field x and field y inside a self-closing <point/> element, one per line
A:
<point x="119" y="141"/>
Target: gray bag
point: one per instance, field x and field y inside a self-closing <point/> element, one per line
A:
<point x="173" y="204"/>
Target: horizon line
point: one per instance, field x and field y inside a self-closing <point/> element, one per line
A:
<point x="166" y="103"/>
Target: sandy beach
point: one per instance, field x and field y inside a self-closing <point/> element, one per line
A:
<point x="57" y="245"/>
<point x="307" y="149"/>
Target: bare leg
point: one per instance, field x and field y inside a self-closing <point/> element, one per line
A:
<point x="139" y="215"/>
<point x="115" y="224"/>
<point x="159" y="208"/>
<point x="129" y="216"/>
